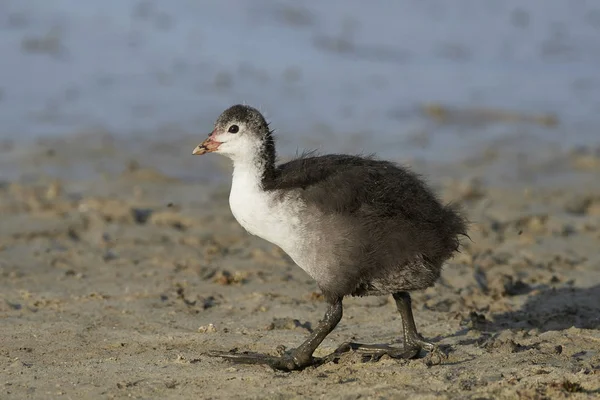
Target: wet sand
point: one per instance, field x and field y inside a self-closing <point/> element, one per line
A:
<point x="118" y="276"/>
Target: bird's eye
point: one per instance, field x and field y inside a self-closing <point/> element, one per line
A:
<point x="234" y="129"/>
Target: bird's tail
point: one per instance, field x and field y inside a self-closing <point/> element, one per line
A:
<point x="456" y="225"/>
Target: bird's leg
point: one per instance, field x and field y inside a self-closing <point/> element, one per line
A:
<point x="412" y="338"/>
<point x="413" y="342"/>
<point x="300" y="357"/>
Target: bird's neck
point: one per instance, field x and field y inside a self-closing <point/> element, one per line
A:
<point x="257" y="166"/>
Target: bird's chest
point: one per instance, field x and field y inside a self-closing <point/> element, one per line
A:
<point x="266" y="215"/>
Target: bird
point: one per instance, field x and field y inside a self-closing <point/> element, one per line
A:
<point x="358" y="225"/>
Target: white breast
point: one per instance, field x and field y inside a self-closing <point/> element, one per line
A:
<point x="267" y="215"/>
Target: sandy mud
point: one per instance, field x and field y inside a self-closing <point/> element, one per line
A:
<point x="118" y="277"/>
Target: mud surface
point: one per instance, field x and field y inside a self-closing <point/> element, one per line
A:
<point x="115" y="282"/>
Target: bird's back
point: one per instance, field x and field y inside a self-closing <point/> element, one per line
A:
<point x="365" y="188"/>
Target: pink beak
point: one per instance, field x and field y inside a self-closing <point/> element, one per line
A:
<point x="208" y="146"/>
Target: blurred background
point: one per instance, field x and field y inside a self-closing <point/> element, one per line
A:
<point x="426" y="79"/>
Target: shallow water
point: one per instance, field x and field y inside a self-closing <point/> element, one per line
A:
<point x="337" y="75"/>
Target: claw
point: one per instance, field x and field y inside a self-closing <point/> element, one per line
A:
<point x="435" y="357"/>
<point x="280" y="350"/>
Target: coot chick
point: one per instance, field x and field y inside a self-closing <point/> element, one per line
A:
<point x="357" y="225"/>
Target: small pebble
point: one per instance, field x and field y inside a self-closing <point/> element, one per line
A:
<point x="210" y="328"/>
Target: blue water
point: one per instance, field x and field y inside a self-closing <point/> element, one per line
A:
<point x="339" y="75"/>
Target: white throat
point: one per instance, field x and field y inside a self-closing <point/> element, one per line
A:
<point x="248" y="170"/>
<point x="248" y="201"/>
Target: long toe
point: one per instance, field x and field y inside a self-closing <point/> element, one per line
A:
<point x="285" y="362"/>
<point x="425" y="345"/>
<point x="374" y="352"/>
<point x="244" y="357"/>
<point x="436" y="354"/>
<point x="420" y="342"/>
<point x="406" y="353"/>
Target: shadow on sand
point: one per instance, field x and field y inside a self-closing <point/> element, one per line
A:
<point x="552" y="309"/>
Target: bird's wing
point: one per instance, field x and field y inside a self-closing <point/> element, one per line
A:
<point x="345" y="184"/>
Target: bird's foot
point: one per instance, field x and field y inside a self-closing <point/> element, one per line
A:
<point x="374" y="352"/>
<point x="436" y="355"/>
<point x="286" y="361"/>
